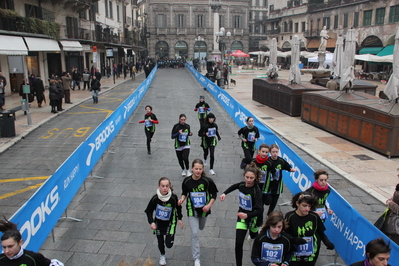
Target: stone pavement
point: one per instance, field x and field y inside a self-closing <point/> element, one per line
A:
<point x="114" y="225"/>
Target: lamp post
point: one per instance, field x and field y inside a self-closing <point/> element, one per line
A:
<point x="222" y="38"/>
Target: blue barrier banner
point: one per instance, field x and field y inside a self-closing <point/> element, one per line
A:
<point x="346" y="228"/>
<point x="37" y="217"/>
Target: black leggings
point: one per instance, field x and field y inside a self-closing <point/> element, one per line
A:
<point x="248" y="155"/>
<point x="182" y="156"/>
<point x="149" y="135"/>
<point x="210" y="149"/>
<point x="165" y="240"/>
<point x="240" y="237"/>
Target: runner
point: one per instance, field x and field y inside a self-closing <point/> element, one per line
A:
<point x="250" y="211"/>
<point x="181" y="132"/>
<point x="167" y="214"/>
<point x="208" y="134"/>
<point x="203" y="108"/>
<point x="200" y="192"/>
<point x="248" y="135"/>
<point x="150" y="119"/>
<point x="261" y="162"/>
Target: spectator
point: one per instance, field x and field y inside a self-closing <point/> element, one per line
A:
<point x="331" y="84"/>
<point x="39" y="91"/>
<point x="377" y="254"/>
<point x="53" y="96"/>
<point x="86" y="79"/>
<point x="3" y="84"/>
<point x="76" y="76"/>
<point x="98" y="74"/>
<point x="61" y="93"/>
<point x="66" y="82"/>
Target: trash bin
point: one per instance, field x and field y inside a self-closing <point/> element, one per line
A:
<point x="7" y="126"/>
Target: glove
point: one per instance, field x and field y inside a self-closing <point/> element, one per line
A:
<point x="299" y="241"/>
<point x="329" y="245"/>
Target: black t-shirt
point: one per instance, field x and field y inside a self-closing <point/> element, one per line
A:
<point x="283" y="243"/>
<point x="178" y="137"/>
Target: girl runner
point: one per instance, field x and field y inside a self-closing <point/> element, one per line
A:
<point x="150" y="119"/>
<point x="304" y="223"/>
<point x="273" y="246"/>
<point x="200" y="192"/>
<point x="250" y="210"/>
<point x="320" y="191"/>
<point x="274" y="180"/>
<point x="167" y="214"/>
<point x="203" y="108"/>
<point x="261" y="162"/>
<point x="208" y="134"/>
<point x="181" y="132"/>
<point x="248" y="135"/>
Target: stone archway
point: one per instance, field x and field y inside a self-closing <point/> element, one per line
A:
<point x="200" y="50"/>
<point x="181" y="50"/>
<point x="162" y="49"/>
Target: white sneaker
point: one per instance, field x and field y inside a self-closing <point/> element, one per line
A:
<point x="184" y="173"/>
<point x="189" y="172"/>
<point x="211" y="172"/>
<point x="197" y="262"/>
<point x="162" y="260"/>
<point x="205" y="162"/>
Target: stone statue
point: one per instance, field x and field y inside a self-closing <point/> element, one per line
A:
<point x="323" y="41"/>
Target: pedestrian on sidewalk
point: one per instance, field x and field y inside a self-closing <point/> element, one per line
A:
<point x="261" y="161"/>
<point x="61" y="93"/>
<point x="66" y="82"/>
<point x="133" y="73"/>
<point x="273" y="246"/>
<point x="76" y="77"/>
<point x="250" y="210"/>
<point x="39" y="91"/>
<point x="98" y="75"/>
<point x="14" y="254"/>
<point x="53" y="96"/>
<point x="167" y="214"/>
<point x="203" y="108"/>
<point x="86" y="79"/>
<point x="208" y="133"/>
<point x="3" y="84"/>
<point x="274" y="180"/>
<point x="150" y="119"/>
<point x="200" y="192"/>
<point x="302" y="217"/>
<point x="321" y="190"/>
<point x="248" y="135"/>
<point x="95" y="87"/>
<point x="180" y="133"/>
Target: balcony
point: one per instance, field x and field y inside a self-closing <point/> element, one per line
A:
<point x="181" y="31"/>
<point x="273" y="32"/>
<point x="311" y="34"/>
<point x="162" y="31"/>
<point x="85" y="34"/>
<point x="200" y="31"/>
<point x="238" y="32"/>
<point x="78" y="5"/>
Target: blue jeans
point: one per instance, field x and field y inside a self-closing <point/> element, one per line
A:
<point x="76" y="83"/>
<point x="94" y="94"/>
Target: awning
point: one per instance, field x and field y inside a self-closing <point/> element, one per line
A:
<point x="370" y="50"/>
<point x="12" y="45"/>
<point x="388" y="50"/>
<point x="315" y="43"/>
<point x="71" y="46"/>
<point x="42" y="45"/>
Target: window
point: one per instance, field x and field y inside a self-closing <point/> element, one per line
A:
<point x="257" y="29"/>
<point x="72" y="27"/>
<point x="346" y="18"/>
<point x="265" y="3"/>
<point x="117" y="13"/>
<point x="257" y="15"/>
<point x="7" y="4"/>
<point x="264" y="28"/>
<point x="161" y="21"/>
<point x="250" y="28"/>
<point x="296" y="27"/>
<point x="180" y="21"/>
<point x="285" y="26"/>
<point x="111" y="15"/>
<point x="83" y="14"/>
<point x="250" y="15"/>
<point x="336" y="22"/>
<point x="237" y="22"/>
<point x="221" y="21"/>
<point x="271" y="8"/>
<point x="33" y="11"/>
<point x="106" y="9"/>
<point x="290" y="26"/>
<point x="356" y="20"/>
<point x="326" y="22"/>
<point x="303" y="26"/>
<point x="95" y="7"/>
<point x="379" y="16"/>
<point x="257" y="3"/>
<point x="200" y="21"/>
<point x="318" y="24"/>
<point x="367" y="17"/>
<point x="394" y="14"/>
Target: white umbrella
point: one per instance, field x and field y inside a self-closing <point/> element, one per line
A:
<point x="348" y="75"/>
<point x="374" y="58"/>
<point x="392" y="88"/>
<point x="307" y="54"/>
<point x="338" y="57"/>
<point x="272" y="71"/>
<point x="295" y="74"/>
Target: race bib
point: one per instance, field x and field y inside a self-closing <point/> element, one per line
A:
<point x="324" y="211"/>
<point x="245" y="201"/>
<point x="276" y="175"/>
<point x="147" y="123"/>
<point x="212" y="132"/>
<point x="251" y="136"/>
<point x="263" y="177"/>
<point x="198" y="199"/>
<point x="201" y="110"/>
<point x="305" y="249"/>
<point x="272" y="252"/>
<point x="163" y="213"/>
<point x="183" y="137"/>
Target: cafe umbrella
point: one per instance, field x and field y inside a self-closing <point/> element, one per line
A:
<point x="348" y="75"/>
<point x="392" y="88"/>
<point x="295" y="74"/>
<point x="338" y="57"/>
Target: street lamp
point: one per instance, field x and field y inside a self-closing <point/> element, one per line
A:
<point x="223" y="37"/>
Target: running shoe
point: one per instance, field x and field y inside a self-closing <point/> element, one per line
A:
<point x="184" y="173"/>
<point x="204" y="162"/>
<point x="162" y="260"/>
<point x="189" y="172"/>
<point x="197" y="262"/>
<point x="211" y="172"/>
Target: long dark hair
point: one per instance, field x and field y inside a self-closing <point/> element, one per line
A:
<point x="254" y="169"/>
<point x="10" y="230"/>
<point x="273" y="219"/>
<point x="304" y="197"/>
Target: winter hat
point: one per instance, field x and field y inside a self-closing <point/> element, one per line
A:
<point x="202" y="97"/>
<point x="211" y="115"/>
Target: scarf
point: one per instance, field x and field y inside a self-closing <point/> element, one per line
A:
<point x="366" y="262"/>
<point x="250" y="127"/>
<point x="318" y="187"/>
<point x="164" y="198"/>
<point x="261" y="160"/>
<point x="20" y="253"/>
